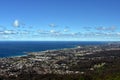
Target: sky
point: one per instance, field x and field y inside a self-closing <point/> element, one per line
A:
<point x="59" y="20"/>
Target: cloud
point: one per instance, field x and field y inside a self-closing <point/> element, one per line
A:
<point x="112" y="28"/>
<point x="73" y="34"/>
<point x="118" y="33"/>
<point x="16" y="23"/>
<point x="52" y="25"/>
<point x="6" y="37"/>
<point x="100" y="28"/>
<point x="8" y="32"/>
<point x="87" y="28"/>
<point x="52" y="31"/>
<point x="23" y="32"/>
<point x="43" y="32"/>
<point x="66" y="30"/>
<point x="22" y="24"/>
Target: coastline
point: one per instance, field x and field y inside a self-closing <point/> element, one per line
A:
<point x="43" y="49"/>
<point x="27" y="53"/>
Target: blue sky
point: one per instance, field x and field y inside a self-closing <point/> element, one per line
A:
<point x="59" y="20"/>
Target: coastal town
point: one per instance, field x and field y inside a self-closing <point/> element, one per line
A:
<point x="78" y="60"/>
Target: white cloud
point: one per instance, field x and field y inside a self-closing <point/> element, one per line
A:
<point x="112" y="28"/>
<point x="24" y="32"/>
<point x="87" y="28"/>
<point x="8" y="32"/>
<point x="16" y="23"/>
<point x="66" y="30"/>
<point x="118" y="33"/>
<point x="101" y="28"/>
<point x="52" y="31"/>
<point x="52" y="25"/>
<point x="6" y="37"/>
<point x="73" y="34"/>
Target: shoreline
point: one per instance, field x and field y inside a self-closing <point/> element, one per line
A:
<point x="27" y="53"/>
<point x="72" y="47"/>
<point x="49" y="50"/>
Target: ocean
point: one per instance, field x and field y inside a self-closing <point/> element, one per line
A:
<point x="19" y="48"/>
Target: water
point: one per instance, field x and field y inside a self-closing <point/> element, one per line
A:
<point x="18" y="48"/>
